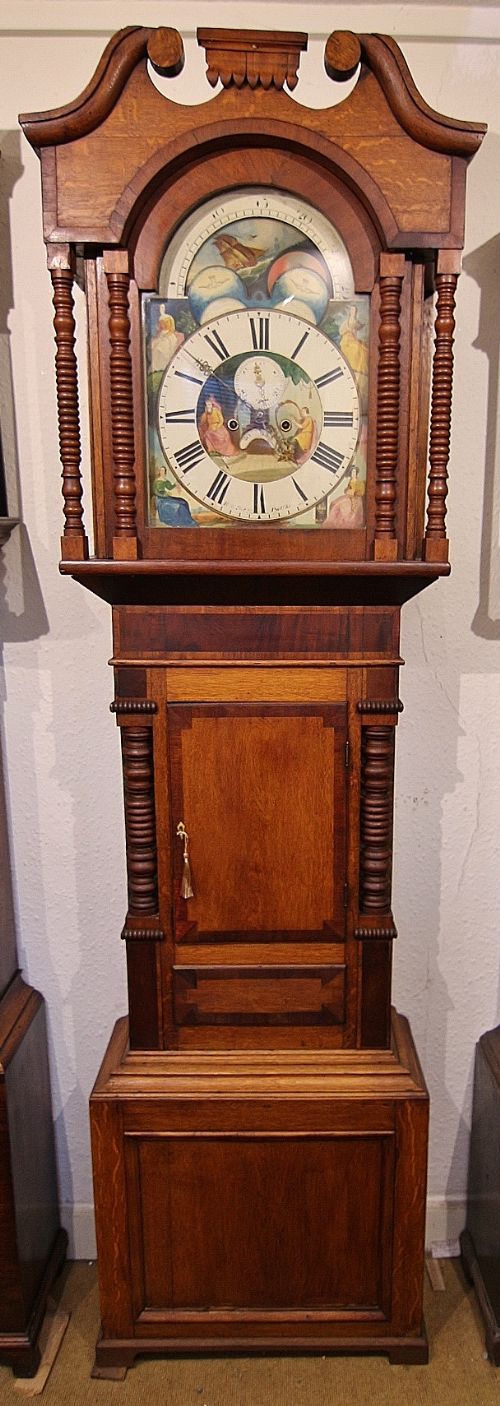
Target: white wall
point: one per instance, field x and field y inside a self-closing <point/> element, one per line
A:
<point x="61" y="744"/>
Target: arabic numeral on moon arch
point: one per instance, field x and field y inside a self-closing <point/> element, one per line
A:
<point x="189" y="455"/>
<point x="328" y="458"/>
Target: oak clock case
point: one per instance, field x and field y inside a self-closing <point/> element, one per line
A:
<point x="270" y="316"/>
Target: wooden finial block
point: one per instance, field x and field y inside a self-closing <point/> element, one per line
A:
<point x="166" y="52"/>
<point x="342" y="55"/>
<point x="252" y="56"/>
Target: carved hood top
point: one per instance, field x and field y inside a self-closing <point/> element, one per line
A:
<point x="406" y="161"/>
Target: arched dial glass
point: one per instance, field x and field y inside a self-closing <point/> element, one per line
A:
<point x="258" y="415"/>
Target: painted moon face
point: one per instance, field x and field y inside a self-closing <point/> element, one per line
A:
<point x="256" y="234"/>
<point x="303" y="292"/>
<point x="218" y="307"/>
<point x="301" y="262"/>
<point x="214" y="285"/>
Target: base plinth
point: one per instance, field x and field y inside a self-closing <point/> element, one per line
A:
<point x="260" y="1202"/>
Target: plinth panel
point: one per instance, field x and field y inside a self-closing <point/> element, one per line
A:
<point x="264" y="1217"/>
<point x="252" y="1202"/>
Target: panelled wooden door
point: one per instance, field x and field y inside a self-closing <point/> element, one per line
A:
<point x="261" y="789"/>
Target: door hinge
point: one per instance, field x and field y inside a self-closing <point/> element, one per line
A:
<point x="346" y="895"/>
<point x="347" y="753"/>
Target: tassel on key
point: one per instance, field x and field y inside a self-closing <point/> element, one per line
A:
<point x="187" y="890"/>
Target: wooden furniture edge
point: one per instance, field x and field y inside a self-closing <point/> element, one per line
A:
<point x="84" y="113"/>
<point x="472" y="1269"/>
<point x="128" y="47"/>
<point x="115" y="1355"/>
<point x="366" y="1073"/>
<point x="426" y="126"/>
<point x="20" y="1350"/>
<point x="17" y="1008"/>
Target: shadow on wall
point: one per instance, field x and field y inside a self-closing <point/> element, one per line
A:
<point x="50" y="773"/>
<point x="483" y="265"/>
<point x="22" y="610"/>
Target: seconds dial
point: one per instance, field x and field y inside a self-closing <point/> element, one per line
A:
<point x="258" y="415"/>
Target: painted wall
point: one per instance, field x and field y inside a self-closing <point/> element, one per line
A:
<point x="61" y="745"/>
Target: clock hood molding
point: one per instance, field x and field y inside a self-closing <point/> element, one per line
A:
<point x="417" y="198"/>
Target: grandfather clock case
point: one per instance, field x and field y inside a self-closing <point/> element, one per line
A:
<point x="269" y="295"/>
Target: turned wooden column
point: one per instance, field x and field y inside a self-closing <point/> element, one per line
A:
<point x="435" y="541"/>
<point x="122" y="405"/>
<point x="142" y="932"/>
<point x="74" y="544"/>
<point x="392" y="269"/>
<point x="375" y="929"/>
<point x="140" y="821"/>
<point x="377" y="784"/>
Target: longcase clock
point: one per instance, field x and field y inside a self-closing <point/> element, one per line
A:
<point x="263" y="283"/>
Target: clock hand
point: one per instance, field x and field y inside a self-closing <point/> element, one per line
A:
<point x="208" y="371"/>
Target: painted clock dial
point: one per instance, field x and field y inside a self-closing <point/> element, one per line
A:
<point x="275" y="267"/>
<point x="258" y="415"/>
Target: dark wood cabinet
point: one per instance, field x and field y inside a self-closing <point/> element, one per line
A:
<point x="480" y="1242"/>
<point x="32" y="1244"/>
<point x="259" y="281"/>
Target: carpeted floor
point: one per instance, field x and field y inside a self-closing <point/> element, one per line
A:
<point x="458" y="1373"/>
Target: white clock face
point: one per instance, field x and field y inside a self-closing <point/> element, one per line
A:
<point x="258" y="415"/>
